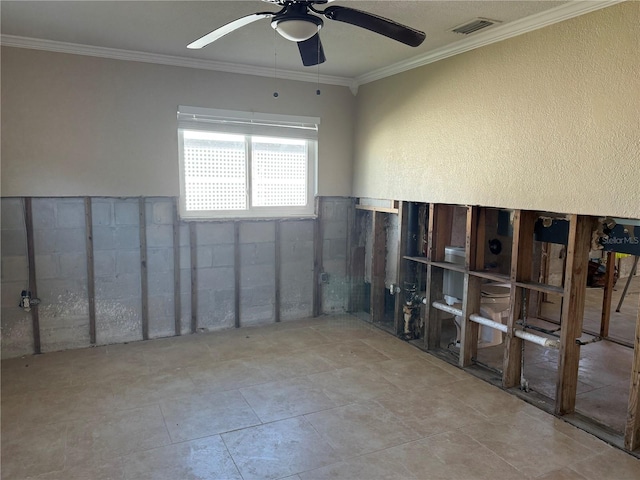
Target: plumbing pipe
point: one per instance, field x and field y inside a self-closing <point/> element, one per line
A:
<point x="530" y="337"/>
<point x="487" y="322"/>
<point x="447" y="308"/>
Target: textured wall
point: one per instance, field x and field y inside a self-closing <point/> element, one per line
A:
<point x="548" y="120"/>
<point x="75" y="125"/>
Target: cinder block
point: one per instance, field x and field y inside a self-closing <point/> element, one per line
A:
<point x="44" y="213"/>
<point x="160" y="284"/>
<point x="335" y="267"/>
<point x="127" y="237"/>
<point x="160" y="236"/>
<point x="73" y="265"/>
<point x="162" y="212"/>
<point x="71" y="214"/>
<point x="333" y="230"/>
<point x="257" y="232"/>
<point x="17" y="333"/>
<point x="257" y="254"/>
<point x="160" y="260"/>
<point x="219" y="278"/>
<point x="296" y="251"/>
<point x="120" y="287"/>
<point x="223" y="255"/>
<point x="70" y="240"/>
<point x="214" y="233"/>
<point x="127" y="262"/>
<point x="47" y="266"/>
<point x="13" y="242"/>
<point x="185" y="282"/>
<point x="101" y="212"/>
<point x="185" y="257"/>
<point x="104" y="263"/>
<point x="15" y="268"/>
<point x="12" y="213"/>
<point x="127" y="212"/>
<point x="334" y="249"/>
<point x="204" y="256"/>
<point x="301" y="230"/>
<point x="60" y="291"/>
<point x="256" y="275"/>
<point x="103" y="238"/>
<point x="184" y="234"/>
<point x="118" y="321"/>
<point x="264" y="295"/>
<point x="258" y="315"/>
<point x="10" y="293"/>
<point x="161" y="323"/>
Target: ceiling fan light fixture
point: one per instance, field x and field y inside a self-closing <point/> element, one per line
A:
<point x="297" y="29"/>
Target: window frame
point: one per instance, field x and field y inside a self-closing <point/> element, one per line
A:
<point x="250" y="124"/>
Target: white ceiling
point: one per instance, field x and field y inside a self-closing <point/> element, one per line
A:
<point x="166" y="27"/>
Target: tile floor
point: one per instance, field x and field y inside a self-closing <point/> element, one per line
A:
<point x="312" y="399"/>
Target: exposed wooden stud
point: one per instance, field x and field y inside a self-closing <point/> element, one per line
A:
<point x="177" y="303"/>
<point x="438" y="237"/>
<point x="33" y="287"/>
<point x="193" y="247"/>
<point x="480" y="239"/>
<point x="317" y="258"/>
<point x="632" y="430"/>
<point x="609" y="278"/>
<point x="91" y="285"/>
<point x="575" y="284"/>
<point x="277" y="247"/>
<point x="471" y="297"/>
<point x="398" y="316"/>
<point x="144" y="280"/>
<point x="521" y="270"/>
<point x="236" y="273"/>
<point x="378" y="267"/>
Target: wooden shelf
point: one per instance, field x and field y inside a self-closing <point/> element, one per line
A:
<point x="495" y="277"/>
<point x="541" y="287"/>
<point x="417" y="259"/>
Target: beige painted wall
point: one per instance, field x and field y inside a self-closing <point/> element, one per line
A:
<point x="75" y="125"/>
<point x="548" y="120"/>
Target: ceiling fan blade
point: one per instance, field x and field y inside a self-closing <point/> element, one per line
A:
<point x="383" y="26"/>
<point x="311" y="51"/>
<point x="228" y="28"/>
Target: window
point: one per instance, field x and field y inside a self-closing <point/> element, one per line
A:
<point x="237" y="164"/>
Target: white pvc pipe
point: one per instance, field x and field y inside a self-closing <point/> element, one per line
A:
<point x="529" y="337"/>
<point x="447" y="308"/>
<point x="488" y="323"/>
<point x="544" y="341"/>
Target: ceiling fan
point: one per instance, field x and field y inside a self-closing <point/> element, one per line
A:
<point x="299" y="21"/>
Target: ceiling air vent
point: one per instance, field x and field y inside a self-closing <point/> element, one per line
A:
<point x="474" y="25"/>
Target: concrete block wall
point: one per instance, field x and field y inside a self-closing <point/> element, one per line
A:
<point x="62" y="279"/>
<point x="296" y="269"/>
<point x="335" y="226"/>
<point x="215" y="263"/>
<point x="61" y="271"/>
<point x="116" y="244"/>
<point x="17" y="331"/>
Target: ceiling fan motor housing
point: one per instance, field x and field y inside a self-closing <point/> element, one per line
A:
<point x="296" y="23"/>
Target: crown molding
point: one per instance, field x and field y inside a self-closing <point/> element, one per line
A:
<point x="174" y="61"/>
<point x="495" y="34"/>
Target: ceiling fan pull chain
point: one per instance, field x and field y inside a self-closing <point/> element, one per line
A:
<point x="275" y="65"/>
